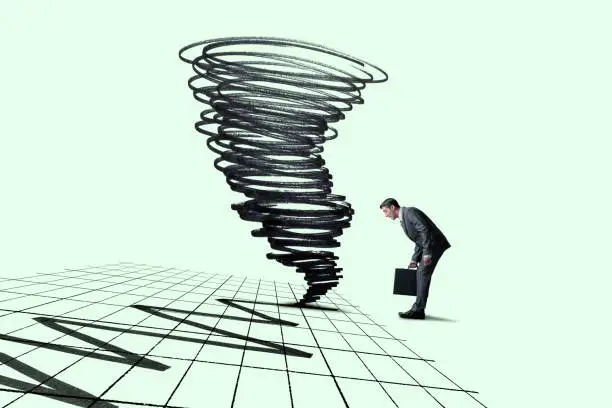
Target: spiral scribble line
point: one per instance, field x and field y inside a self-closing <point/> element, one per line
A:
<point x="271" y="101"/>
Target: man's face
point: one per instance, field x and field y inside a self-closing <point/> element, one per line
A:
<point x="389" y="212"/>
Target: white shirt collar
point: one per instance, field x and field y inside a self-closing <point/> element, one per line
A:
<point x="400" y="214"/>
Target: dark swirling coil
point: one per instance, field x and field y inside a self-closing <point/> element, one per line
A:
<point x="271" y="101"/>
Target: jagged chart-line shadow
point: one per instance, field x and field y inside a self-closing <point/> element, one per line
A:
<point x="270" y="104"/>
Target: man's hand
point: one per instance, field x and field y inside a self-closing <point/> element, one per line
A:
<point x="426" y="259"/>
<point x="412" y="265"/>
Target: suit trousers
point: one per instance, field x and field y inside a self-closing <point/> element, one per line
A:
<point x="423" y="275"/>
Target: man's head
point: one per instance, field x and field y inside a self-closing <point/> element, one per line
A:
<point x="390" y="207"/>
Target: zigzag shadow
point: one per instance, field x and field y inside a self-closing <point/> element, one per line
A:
<point x="297" y="305"/>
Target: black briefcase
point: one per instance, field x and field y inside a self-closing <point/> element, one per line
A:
<point x="405" y="282"/>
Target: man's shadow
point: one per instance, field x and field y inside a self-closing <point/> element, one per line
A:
<point x="440" y="319"/>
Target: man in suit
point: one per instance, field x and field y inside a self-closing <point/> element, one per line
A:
<point x="430" y="245"/>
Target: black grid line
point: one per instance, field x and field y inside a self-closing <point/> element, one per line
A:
<point x="12" y="289"/>
<point x="470" y="394"/>
<point x="290" y="292"/>
<point x="267" y="289"/>
<point x="93" y="290"/>
<point x="394" y="360"/>
<point x="324" y="359"/>
<point x="91" y="400"/>
<point x="165" y="336"/>
<point x="359" y="357"/>
<point x="89" y="267"/>
<point x="86" y="280"/>
<point x="221" y="336"/>
<point x="277" y="370"/>
<point x="53" y="376"/>
<point x="285" y="354"/>
<point x="243" y="353"/>
<point x="48" y="303"/>
<point x="199" y="350"/>
<point x="45" y="343"/>
<point x="156" y="297"/>
<point x="38" y="283"/>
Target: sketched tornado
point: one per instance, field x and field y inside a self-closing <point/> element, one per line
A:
<point x="270" y="104"/>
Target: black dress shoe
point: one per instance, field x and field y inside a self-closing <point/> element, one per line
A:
<point x="411" y="314"/>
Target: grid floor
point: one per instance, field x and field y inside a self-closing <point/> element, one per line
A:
<point x="133" y="335"/>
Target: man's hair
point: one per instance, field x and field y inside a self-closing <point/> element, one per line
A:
<point x="389" y="202"/>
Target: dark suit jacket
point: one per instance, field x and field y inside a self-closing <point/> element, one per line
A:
<point x="423" y="232"/>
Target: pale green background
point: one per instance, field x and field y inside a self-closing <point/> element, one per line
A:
<point x="494" y="122"/>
